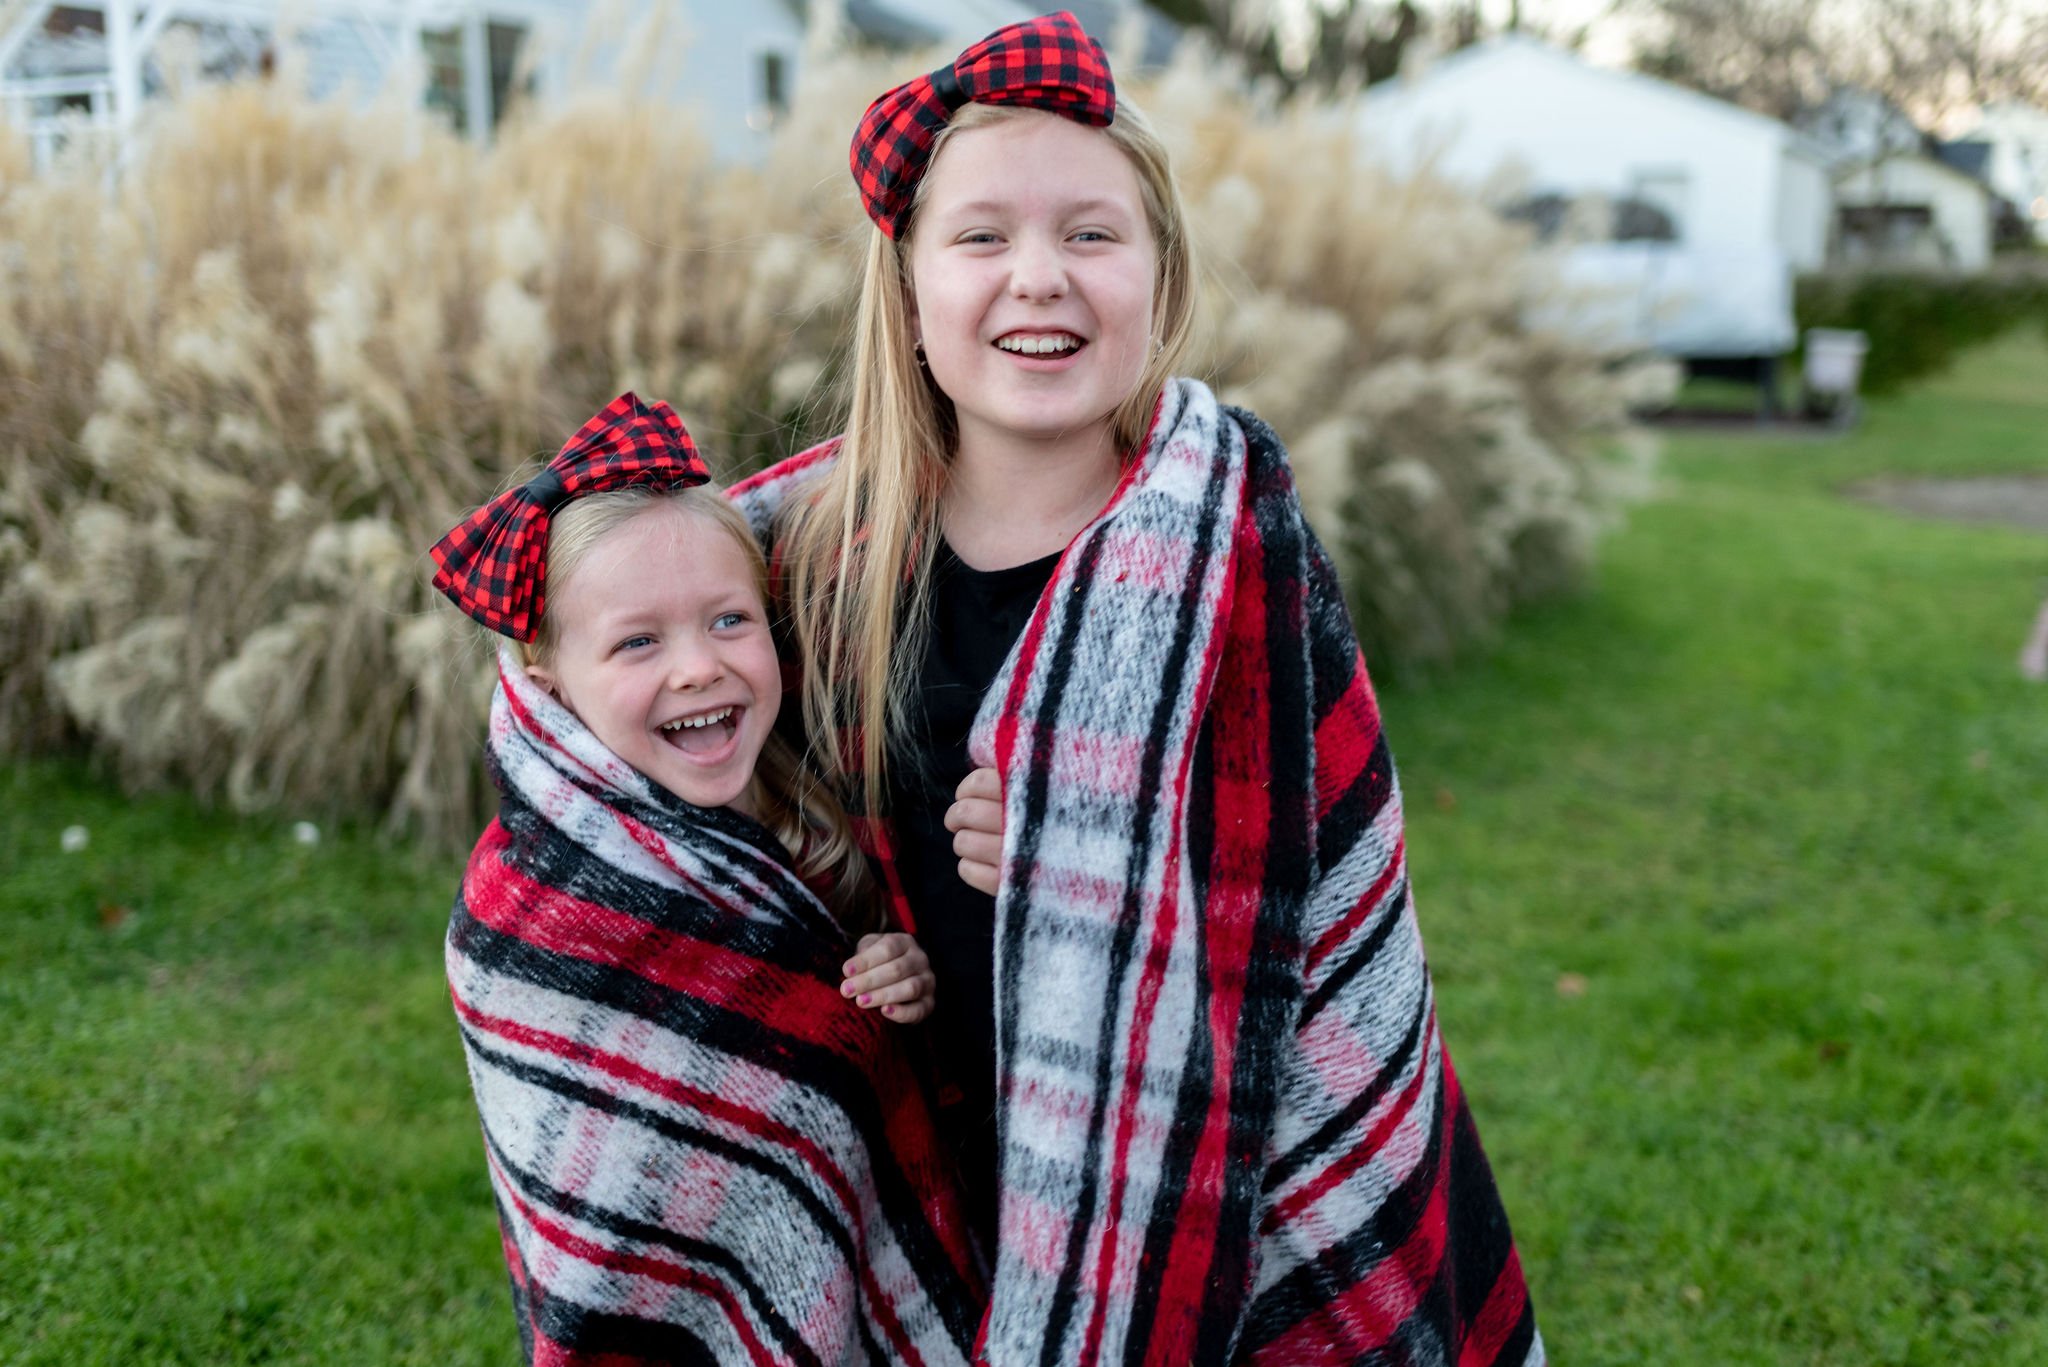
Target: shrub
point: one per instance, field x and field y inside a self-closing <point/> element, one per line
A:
<point x="243" y="389"/>
<point x="1918" y="321"/>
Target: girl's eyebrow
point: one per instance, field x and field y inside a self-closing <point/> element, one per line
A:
<point x="979" y="207"/>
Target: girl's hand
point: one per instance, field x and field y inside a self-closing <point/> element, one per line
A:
<point x="890" y="972"/>
<point x="976" y="820"/>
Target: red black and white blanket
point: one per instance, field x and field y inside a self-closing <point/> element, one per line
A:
<point x="701" y="1152"/>
<point x="1228" y="1129"/>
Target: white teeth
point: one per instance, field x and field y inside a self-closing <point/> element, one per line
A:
<point x="700" y="720"/>
<point x="1039" y="346"/>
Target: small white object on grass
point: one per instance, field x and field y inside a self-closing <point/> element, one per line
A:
<point x="2034" y="654"/>
<point x="74" y="839"/>
<point x="306" y="833"/>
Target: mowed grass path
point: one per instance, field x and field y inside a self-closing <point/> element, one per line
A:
<point x="1730" y="872"/>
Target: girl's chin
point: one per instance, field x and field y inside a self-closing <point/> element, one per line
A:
<point x="1038" y="418"/>
<point x="726" y="782"/>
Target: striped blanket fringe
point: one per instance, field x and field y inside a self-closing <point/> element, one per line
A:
<point x="701" y="1153"/>
<point x="1228" y="1129"/>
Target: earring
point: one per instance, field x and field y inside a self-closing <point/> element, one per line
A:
<point x="918" y="347"/>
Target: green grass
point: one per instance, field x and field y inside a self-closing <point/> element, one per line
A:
<point x="235" y="1126"/>
<point x="1770" y="790"/>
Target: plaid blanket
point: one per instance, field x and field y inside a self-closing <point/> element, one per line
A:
<point x="1228" y="1130"/>
<point x="701" y="1152"/>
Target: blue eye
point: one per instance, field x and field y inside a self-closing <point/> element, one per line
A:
<point x="726" y="621"/>
<point x="634" y="643"/>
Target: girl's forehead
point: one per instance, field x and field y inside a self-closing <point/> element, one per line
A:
<point x="1029" y="158"/>
<point x="664" y="546"/>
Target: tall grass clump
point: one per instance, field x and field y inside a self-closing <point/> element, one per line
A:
<point x="247" y="380"/>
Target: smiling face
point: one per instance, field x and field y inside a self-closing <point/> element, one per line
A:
<point x="1032" y="273"/>
<point x="662" y="648"/>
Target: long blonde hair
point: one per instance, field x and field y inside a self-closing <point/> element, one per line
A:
<point x="797" y="809"/>
<point x="860" y="550"/>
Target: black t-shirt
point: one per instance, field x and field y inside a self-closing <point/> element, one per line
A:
<point x="976" y="617"/>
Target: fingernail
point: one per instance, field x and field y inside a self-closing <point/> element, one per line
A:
<point x="846" y="989"/>
<point x="865" y="999"/>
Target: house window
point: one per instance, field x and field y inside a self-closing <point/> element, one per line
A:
<point x="442" y="50"/>
<point x="1666" y="190"/>
<point x="508" y="82"/>
<point x="1620" y="220"/>
<point x="771" y="91"/>
<point x="1896" y="233"/>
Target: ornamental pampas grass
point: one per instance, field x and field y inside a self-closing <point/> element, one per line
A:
<point x="1458" y="459"/>
<point x="244" y="384"/>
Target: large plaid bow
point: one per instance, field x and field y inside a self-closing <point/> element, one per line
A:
<point x="1043" y="63"/>
<point x="493" y="565"/>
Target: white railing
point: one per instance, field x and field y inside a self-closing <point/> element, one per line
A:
<point x="28" y="102"/>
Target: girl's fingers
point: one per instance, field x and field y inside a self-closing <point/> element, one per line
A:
<point x="875" y="979"/>
<point x="872" y="951"/>
<point x="981" y="783"/>
<point x="979" y="876"/>
<point x="908" y="962"/>
<point x="918" y="988"/>
<point x="982" y="849"/>
<point x="909" y="1013"/>
<point x="976" y="814"/>
<point x="976" y="820"/>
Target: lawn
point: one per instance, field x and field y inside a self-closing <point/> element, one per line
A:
<point x="1730" y="871"/>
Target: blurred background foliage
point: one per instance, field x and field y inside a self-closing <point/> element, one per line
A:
<point x="1918" y="322"/>
<point x="249" y="377"/>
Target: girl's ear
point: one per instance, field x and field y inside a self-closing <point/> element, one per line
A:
<point x="545" y="677"/>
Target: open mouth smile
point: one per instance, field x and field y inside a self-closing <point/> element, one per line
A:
<point x="1040" y="343"/>
<point x="703" y="733"/>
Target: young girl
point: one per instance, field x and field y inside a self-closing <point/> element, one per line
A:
<point x="701" y="1150"/>
<point x="1063" y="604"/>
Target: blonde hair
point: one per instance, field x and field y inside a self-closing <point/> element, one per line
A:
<point x="798" y="810"/>
<point x="860" y="549"/>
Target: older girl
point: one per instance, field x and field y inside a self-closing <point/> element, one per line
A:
<point x="1207" y="1110"/>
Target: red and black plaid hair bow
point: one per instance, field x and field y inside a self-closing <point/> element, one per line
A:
<point x="494" y="564"/>
<point x="1043" y="63"/>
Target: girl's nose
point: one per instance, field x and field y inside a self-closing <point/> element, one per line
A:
<point x="693" y="665"/>
<point x="1038" y="271"/>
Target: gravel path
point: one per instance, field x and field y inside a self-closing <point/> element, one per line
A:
<point x="2011" y="500"/>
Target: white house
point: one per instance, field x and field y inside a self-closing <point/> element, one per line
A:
<point x="1910" y="208"/>
<point x="97" y="62"/>
<point x="1901" y="198"/>
<point x="736" y="61"/>
<point x="2018" y="164"/>
<point x="1721" y="206"/>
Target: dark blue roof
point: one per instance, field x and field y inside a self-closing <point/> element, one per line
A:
<point x="1972" y="158"/>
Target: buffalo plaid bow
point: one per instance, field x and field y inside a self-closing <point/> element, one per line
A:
<point x="494" y="564"/>
<point x="1043" y="63"/>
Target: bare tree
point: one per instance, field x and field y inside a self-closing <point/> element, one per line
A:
<point x="1936" y="57"/>
<point x="1772" y="56"/>
<point x="1783" y="58"/>
<point x="1329" y="45"/>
